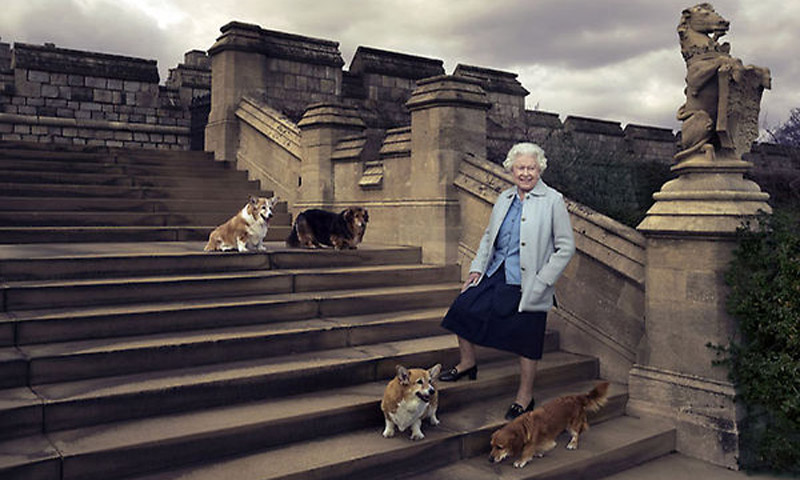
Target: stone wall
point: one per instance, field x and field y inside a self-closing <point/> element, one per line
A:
<point x="57" y="95"/>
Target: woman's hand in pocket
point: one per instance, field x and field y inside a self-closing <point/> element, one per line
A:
<point x="472" y="279"/>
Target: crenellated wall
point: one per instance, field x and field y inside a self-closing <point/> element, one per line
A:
<point x="57" y="95"/>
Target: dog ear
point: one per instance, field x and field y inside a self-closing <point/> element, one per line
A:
<point x="253" y="200"/>
<point x="403" y="375"/>
<point x="366" y="216"/>
<point x="435" y="370"/>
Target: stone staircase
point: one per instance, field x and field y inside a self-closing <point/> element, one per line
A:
<point x="150" y="359"/>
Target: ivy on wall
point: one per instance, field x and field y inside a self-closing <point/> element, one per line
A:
<point x="764" y="363"/>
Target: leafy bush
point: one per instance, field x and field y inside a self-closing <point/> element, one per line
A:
<point x="764" y="363"/>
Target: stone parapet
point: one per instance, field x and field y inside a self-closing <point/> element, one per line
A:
<point x="246" y="37"/>
<point x="491" y="80"/>
<point x="393" y="64"/>
<point x="592" y="125"/>
<point x="49" y="58"/>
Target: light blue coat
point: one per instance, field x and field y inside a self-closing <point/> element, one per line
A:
<point x="546" y="243"/>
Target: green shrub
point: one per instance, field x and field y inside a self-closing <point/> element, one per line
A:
<point x="605" y="177"/>
<point x="764" y="363"/>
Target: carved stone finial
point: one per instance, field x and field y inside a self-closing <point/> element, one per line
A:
<point x="723" y="96"/>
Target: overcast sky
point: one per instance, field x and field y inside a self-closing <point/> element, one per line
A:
<point x="612" y="59"/>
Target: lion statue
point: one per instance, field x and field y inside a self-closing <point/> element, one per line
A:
<point x="699" y="31"/>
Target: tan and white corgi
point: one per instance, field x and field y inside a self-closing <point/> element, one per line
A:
<point x="410" y="398"/>
<point x="245" y="230"/>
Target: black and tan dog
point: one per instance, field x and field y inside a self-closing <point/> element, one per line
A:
<point x="314" y="228"/>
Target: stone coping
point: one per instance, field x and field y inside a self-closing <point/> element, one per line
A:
<point x="49" y="58"/>
<point x="373" y="60"/>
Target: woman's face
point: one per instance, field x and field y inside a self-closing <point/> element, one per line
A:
<point x="525" y="171"/>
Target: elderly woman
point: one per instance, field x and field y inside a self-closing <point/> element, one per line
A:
<point x="509" y="290"/>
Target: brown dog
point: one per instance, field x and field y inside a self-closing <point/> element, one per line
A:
<point x="534" y="433"/>
<point x="314" y="228"/>
<point x="410" y="398"/>
<point x="245" y="230"/>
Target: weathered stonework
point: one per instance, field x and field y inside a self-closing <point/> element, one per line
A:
<point x="63" y="96"/>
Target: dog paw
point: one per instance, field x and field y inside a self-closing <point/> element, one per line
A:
<point x="417" y="436"/>
<point x="388" y="433"/>
<point x="572" y="446"/>
<point x="520" y="463"/>
<point x="434" y="421"/>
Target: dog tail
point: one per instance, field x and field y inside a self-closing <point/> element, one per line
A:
<point x="598" y="397"/>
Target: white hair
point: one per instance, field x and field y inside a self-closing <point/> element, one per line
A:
<point x="526" y="148"/>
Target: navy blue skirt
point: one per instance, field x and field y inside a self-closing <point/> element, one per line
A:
<point x="487" y="315"/>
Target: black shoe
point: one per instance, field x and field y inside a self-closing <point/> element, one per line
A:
<point x="515" y="410"/>
<point x="453" y="375"/>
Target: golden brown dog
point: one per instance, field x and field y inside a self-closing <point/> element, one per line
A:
<point x="245" y="230"/>
<point x="534" y="433"/>
<point x="410" y="398"/>
<point x="314" y="228"/>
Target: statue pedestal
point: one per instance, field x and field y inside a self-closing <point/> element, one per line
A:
<point x="690" y="241"/>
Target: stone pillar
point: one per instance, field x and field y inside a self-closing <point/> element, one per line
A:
<point x="690" y="239"/>
<point x="322" y="126"/>
<point x="448" y="124"/>
<point x="236" y="68"/>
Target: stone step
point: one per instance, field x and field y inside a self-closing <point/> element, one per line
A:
<point x="93" y="204"/>
<point x="109" y="167"/>
<point x="47" y="294"/>
<point x="187" y="437"/>
<point x="86" y="402"/>
<point x="213" y="216"/>
<point x="59" y="362"/>
<point x="151" y="157"/>
<point x="122" y="219"/>
<point x="364" y="453"/>
<point x="117" y="234"/>
<point x="223" y="181"/>
<point x="115" y="191"/>
<point x="114" y="260"/>
<point x="605" y="449"/>
<point x="67" y="324"/>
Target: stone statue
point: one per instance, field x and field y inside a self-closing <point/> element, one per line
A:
<point x="722" y="95"/>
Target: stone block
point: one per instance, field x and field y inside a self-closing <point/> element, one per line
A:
<point x="102" y="95"/>
<point x="130" y="86"/>
<point x="65" y="92"/>
<point x="76" y="80"/>
<point x="38" y="76"/>
<point x="81" y="94"/>
<point x="55" y="102"/>
<point x="38" y="130"/>
<point x="34" y="101"/>
<point x="65" y="112"/>
<point x="96" y="82"/>
<point x="22" y="129"/>
<point x="28" y="110"/>
<point x="91" y="106"/>
<point x="83" y="114"/>
<point x="69" y="132"/>
<point x="58" y="79"/>
<point x="78" y="141"/>
<point x="114" y="84"/>
<point x="114" y="143"/>
<point x="123" y="135"/>
<point x="6" y="128"/>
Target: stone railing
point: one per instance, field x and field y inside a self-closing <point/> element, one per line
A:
<point x="269" y="147"/>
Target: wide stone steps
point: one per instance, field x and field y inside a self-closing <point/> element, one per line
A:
<point x="341" y="410"/>
<point x="65" y="324"/>
<point x="66" y="204"/>
<point x="114" y="260"/>
<point x="230" y="179"/>
<point x="43" y="294"/>
<point x="112" y="193"/>
<point x="110" y="233"/>
<point x="109" y="182"/>
<point x="464" y="432"/>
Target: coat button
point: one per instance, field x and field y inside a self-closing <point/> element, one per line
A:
<point x="522" y="268"/>
<point x="523" y="219"/>
<point x="522" y="244"/>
